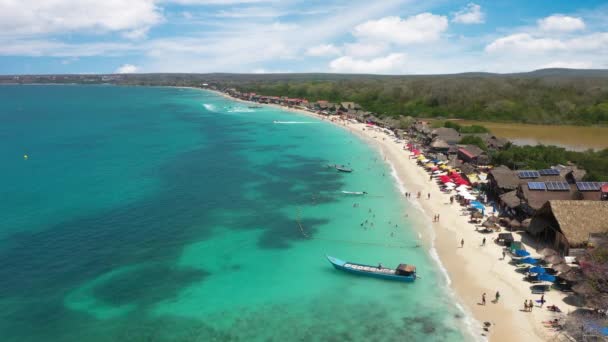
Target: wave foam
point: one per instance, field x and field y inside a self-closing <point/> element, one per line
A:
<point x="470" y="323"/>
<point x="209" y="107"/>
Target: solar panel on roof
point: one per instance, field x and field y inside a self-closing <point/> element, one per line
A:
<point x="549" y="172"/>
<point x="557" y="186"/>
<point x="588" y="186"/>
<point x="536" y="186"/>
<point x="528" y="174"/>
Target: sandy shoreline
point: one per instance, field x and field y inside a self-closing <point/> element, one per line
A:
<point x="472" y="270"/>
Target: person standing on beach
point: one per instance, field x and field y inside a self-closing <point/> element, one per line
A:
<point x="497" y="297"/>
<point x="542" y="300"/>
<point x="483" y="299"/>
<point x="483" y="242"/>
<point x="525" y="305"/>
<point x="428" y="196"/>
<point x="418" y="194"/>
<point x="531" y="305"/>
<point x="438" y="217"/>
<point x="462" y="243"/>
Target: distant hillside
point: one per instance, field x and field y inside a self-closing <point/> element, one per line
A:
<point x="549" y="96"/>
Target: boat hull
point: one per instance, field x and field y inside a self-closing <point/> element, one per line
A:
<point x="369" y="271"/>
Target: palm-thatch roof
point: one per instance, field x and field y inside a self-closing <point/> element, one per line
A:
<point x="504" y="178"/>
<point x="439" y="144"/>
<point x="578" y="219"/>
<point x="510" y="199"/>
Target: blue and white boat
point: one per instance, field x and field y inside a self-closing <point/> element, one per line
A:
<point x="403" y="272"/>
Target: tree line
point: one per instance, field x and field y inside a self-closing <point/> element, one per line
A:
<point x="546" y="100"/>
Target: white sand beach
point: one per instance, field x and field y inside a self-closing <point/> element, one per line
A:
<point x="473" y="269"/>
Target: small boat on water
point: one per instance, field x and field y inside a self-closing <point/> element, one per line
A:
<point x="254" y="107"/>
<point x="403" y="272"/>
<point x="354" y="192"/>
<point x="343" y="168"/>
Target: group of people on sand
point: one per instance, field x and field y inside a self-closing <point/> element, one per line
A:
<point x="436" y="218"/>
<point x="496" y="298"/>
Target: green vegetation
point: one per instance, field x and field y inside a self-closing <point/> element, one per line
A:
<point x="542" y="157"/>
<point x="548" y="100"/>
<point x="473" y="140"/>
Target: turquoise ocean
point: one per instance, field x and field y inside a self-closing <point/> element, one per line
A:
<point x="168" y="214"/>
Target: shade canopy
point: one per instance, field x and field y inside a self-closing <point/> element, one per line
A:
<point x="537" y="270"/>
<point x="554" y="259"/>
<point x="573" y="274"/>
<point x="546" y="277"/>
<point x="547" y="252"/>
<point x="522" y="253"/>
<point x="515" y="224"/>
<point x="529" y="260"/>
<point x="561" y="268"/>
<point x="583" y="288"/>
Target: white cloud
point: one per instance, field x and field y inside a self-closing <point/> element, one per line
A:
<point x="215" y="2"/>
<point x="323" y="50"/>
<point x="561" y="23"/>
<point x="34" y="17"/>
<point x="136" y="34"/>
<point x="524" y="42"/>
<point x="366" y="49"/>
<point x="393" y="63"/>
<point x="421" y="28"/>
<point x="568" y="65"/>
<point x="126" y="69"/>
<point x="471" y="14"/>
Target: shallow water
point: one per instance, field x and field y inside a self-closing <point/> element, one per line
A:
<point x="166" y="214"/>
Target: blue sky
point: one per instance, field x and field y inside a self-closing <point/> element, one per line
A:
<point x="257" y="36"/>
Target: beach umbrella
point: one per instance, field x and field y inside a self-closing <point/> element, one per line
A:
<point x="450" y="184"/>
<point x="546" y="277"/>
<point x="522" y="253"/>
<point x="528" y="260"/>
<point x="574" y="274"/>
<point x="554" y="259"/>
<point x="547" y="252"/>
<point x="514" y="224"/>
<point x="561" y="268"/>
<point x="537" y="270"/>
<point x="488" y="224"/>
<point x="583" y="288"/>
<point x="477" y="214"/>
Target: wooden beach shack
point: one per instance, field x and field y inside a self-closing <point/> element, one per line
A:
<point x="568" y="224"/>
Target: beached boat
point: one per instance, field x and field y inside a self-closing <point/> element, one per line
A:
<point x="403" y="272"/>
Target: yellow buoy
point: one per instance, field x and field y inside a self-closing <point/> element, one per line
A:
<point x="25" y="157"/>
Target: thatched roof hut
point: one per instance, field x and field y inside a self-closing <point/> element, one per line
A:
<point x="440" y="145"/>
<point x="510" y="199"/>
<point x="503" y="179"/>
<point x="570" y="223"/>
